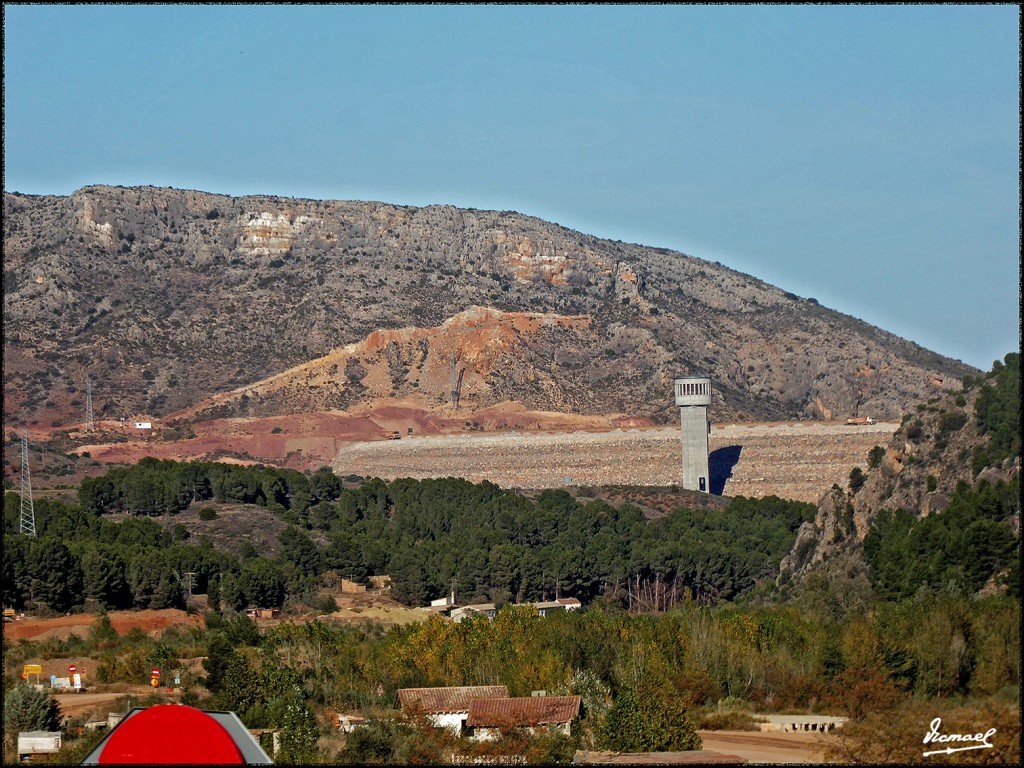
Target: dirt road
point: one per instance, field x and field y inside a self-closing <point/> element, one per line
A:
<point x="73" y="704"/>
<point x="757" y="747"/>
<point x="796" y="460"/>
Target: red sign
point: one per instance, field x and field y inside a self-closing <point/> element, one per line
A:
<point x="153" y="737"/>
<point x="72" y="668"/>
<point x="156" y="673"/>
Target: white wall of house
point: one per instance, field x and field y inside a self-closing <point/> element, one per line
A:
<point x="453" y="722"/>
<point x="481" y="733"/>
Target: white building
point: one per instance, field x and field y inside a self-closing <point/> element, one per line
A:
<point x="446" y="707"/>
<point x="534" y="714"/>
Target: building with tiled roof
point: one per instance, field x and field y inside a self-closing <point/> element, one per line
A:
<point x="552" y="714"/>
<point x="447" y="707"/>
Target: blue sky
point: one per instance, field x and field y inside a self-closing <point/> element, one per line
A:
<point x="864" y="156"/>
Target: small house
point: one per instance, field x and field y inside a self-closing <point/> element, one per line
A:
<point x="348" y="723"/>
<point x="534" y="714"/>
<point x="351" y="587"/>
<point x="447" y="707"/>
<point x="468" y="611"/>
<point x="38" y="743"/>
<point x="263" y="613"/>
<point x="381" y="582"/>
<point x="545" y="607"/>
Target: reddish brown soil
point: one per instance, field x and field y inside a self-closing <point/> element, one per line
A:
<point x="61" y="626"/>
<point x="311" y="440"/>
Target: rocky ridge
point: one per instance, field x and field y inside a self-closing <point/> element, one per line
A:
<point x="917" y="471"/>
<point x="166" y="297"/>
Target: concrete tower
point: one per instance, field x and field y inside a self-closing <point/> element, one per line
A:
<point x="693" y="396"/>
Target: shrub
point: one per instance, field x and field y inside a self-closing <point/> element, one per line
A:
<point x="649" y="718"/>
<point x="207" y="513"/>
<point x="952" y="422"/>
<point x="728" y="721"/>
<point x="326" y="604"/>
<point x="857" y="478"/>
<point x="376" y="742"/>
<point x="875" y="456"/>
<point x="26" y="709"/>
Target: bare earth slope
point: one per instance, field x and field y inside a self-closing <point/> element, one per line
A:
<point x="167" y="297"/>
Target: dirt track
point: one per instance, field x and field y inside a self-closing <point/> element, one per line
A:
<point x="758" y="747"/>
<point x="793" y="460"/>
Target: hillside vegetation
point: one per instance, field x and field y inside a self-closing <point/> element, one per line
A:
<point x="937" y="509"/>
<point x="681" y="629"/>
<point x="496" y="545"/>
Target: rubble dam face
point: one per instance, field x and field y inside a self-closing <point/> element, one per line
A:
<point x="793" y="460"/>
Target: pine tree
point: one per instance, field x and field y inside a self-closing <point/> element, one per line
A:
<point x="26" y="709"/>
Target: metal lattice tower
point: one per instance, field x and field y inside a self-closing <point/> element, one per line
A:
<point x="89" y="424"/>
<point x="455" y="389"/>
<point x="28" y="510"/>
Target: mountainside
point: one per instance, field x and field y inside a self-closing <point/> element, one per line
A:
<point x="953" y="453"/>
<point x="164" y="298"/>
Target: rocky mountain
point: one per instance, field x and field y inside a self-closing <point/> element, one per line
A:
<point x="944" y="447"/>
<point x="164" y="298"/>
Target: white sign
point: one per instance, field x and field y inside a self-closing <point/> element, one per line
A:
<point x="77" y="680"/>
<point x="60" y="682"/>
<point x="143" y="424"/>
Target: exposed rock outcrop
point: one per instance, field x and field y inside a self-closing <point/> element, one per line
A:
<point x="166" y="297"/>
<point x="917" y="471"/>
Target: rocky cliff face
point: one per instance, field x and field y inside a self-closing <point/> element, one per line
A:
<point x="166" y="297"/>
<point x="918" y="471"/>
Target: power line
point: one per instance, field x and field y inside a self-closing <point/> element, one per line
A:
<point x="28" y="510"/>
<point x="89" y="425"/>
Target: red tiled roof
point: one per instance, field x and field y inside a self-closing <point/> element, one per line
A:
<point x="439" y="701"/>
<point x="525" y="711"/>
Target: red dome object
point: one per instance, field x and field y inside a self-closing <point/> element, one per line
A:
<point x="171" y="734"/>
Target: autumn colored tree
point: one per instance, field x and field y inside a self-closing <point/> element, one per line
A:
<point x="649" y="717"/>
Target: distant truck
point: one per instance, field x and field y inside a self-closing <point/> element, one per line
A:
<point x="38" y="743"/>
<point x="395" y="436"/>
<point x="855" y="422"/>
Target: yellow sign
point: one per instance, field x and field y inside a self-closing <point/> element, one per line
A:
<point x="32" y="669"/>
<point x="8" y="611"/>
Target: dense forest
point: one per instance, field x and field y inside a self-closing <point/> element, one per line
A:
<point x="496" y="545"/>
